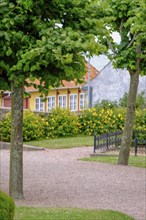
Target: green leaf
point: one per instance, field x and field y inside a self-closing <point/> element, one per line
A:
<point x="9" y="52"/>
<point x="44" y="39"/>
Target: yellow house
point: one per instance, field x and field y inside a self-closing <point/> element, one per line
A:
<point x="69" y="95"/>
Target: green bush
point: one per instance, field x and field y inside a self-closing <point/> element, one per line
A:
<point x="106" y="104"/>
<point x="5" y="128"/>
<point x="101" y="120"/>
<point x="7" y="207"/>
<point x="61" y="123"/>
<point x="33" y="127"/>
<point x="140" y="124"/>
<point x="140" y="101"/>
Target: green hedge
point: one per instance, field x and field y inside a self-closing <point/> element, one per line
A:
<point x="7" y="207"/>
<point x="63" y="123"/>
<point x="33" y="127"/>
<point x="101" y="120"/>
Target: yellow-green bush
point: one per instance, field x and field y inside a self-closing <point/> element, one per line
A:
<point x="61" y="123"/>
<point x="5" y="128"/>
<point x="33" y="127"/>
<point x="7" y="207"/>
<point x="140" y="123"/>
<point x="101" y="120"/>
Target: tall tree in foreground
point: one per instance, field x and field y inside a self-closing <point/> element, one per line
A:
<point x="46" y="40"/>
<point x="129" y="21"/>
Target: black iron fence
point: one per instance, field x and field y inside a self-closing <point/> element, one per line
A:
<point x="111" y="141"/>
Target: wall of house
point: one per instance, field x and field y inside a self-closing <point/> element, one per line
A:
<point x="56" y="93"/>
<point x="111" y="84"/>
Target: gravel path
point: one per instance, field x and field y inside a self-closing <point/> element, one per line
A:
<point x="55" y="178"/>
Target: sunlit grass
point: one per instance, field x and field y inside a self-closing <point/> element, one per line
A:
<point x="30" y="213"/>
<point x="59" y="143"/>
<point x="138" y="161"/>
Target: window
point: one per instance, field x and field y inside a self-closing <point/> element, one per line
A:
<point x="73" y="102"/>
<point x="83" y="101"/>
<point x="39" y="104"/>
<point x="62" y="101"/>
<point x="51" y="102"/>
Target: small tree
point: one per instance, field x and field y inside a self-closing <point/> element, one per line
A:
<point x="46" y="40"/>
<point x="129" y="21"/>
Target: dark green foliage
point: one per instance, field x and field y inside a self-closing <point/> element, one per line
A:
<point x="7" y="207"/>
<point x="48" y="39"/>
<point x="106" y="104"/>
<point x="123" y="101"/>
<point x="140" y="101"/>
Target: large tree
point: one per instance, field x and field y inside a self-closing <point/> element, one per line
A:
<point x="46" y="40"/>
<point x="129" y="21"/>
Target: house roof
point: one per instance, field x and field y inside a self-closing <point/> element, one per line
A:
<point x="71" y="84"/>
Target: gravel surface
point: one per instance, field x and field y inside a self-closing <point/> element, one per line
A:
<point x="55" y="178"/>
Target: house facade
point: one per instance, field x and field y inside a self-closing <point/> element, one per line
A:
<point x="111" y="84"/>
<point x="68" y="96"/>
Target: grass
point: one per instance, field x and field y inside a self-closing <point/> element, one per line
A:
<point x="30" y="213"/>
<point x="59" y="143"/>
<point x="138" y="161"/>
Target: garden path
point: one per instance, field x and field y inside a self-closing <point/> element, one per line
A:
<point x="55" y="178"/>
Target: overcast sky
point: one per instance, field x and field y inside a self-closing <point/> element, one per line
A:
<point x="100" y="62"/>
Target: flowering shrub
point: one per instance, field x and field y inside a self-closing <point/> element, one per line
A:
<point x="140" y="123"/>
<point x="61" y="123"/>
<point x="101" y="120"/>
<point x="5" y="128"/>
<point x="33" y="127"/>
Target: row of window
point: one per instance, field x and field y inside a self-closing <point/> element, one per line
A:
<point x="62" y="102"/>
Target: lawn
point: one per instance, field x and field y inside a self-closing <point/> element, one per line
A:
<point x="30" y="213"/>
<point x="138" y="161"/>
<point x="59" y="143"/>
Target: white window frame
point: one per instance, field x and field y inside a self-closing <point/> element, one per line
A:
<point x="83" y="101"/>
<point x="73" y="106"/>
<point x="51" y="103"/>
<point x="62" y="104"/>
<point x="40" y="104"/>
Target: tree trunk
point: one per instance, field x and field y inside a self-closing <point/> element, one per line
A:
<point x="129" y="121"/>
<point x="16" y="151"/>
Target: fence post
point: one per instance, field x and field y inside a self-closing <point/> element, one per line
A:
<point x="135" y="143"/>
<point x="94" y="142"/>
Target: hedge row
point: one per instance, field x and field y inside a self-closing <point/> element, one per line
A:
<point x="63" y="123"/>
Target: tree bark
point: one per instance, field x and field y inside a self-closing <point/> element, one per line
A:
<point x="16" y="151"/>
<point x="130" y="113"/>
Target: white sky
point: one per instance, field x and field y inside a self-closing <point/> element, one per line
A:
<point x="99" y="62"/>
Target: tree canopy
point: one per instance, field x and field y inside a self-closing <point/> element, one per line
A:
<point x="48" y="39"/>
<point x="128" y="19"/>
